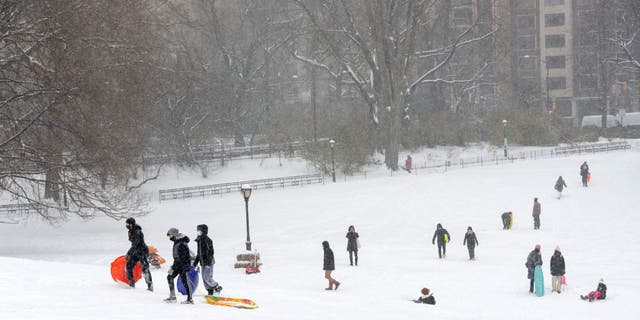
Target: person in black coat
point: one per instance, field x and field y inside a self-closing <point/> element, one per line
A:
<point x="181" y="264"/>
<point x="138" y="252"/>
<point x="329" y="265"/>
<point x="533" y="259"/>
<point x="584" y="173"/>
<point x="557" y="270"/>
<point x="205" y="257"/>
<point x="352" y="244"/>
<point x="427" y="297"/>
<point x="442" y="235"/>
<point x="471" y="241"/>
<point x="560" y="185"/>
<point x="599" y="294"/>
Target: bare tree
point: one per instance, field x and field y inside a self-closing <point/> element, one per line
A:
<point x="388" y="49"/>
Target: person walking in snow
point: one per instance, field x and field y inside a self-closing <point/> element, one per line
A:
<point x="536" y="214"/>
<point x="426" y="297"/>
<point x="599" y="294"/>
<point x="442" y="235"/>
<point x="557" y="270"/>
<point x="507" y="219"/>
<point x="181" y="264"/>
<point x="584" y="173"/>
<point x="205" y="257"/>
<point x="138" y="252"/>
<point x="560" y="184"/>
<point x="408" y="163"/>
<point x="352" y="244"/>
<point x="533" y="259"/>
<point x="329" y="265"/>
<point x="471" y="241"/>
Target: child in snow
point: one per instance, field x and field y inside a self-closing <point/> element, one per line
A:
<point x="181" y="264"/>
<point x="507" y="218"/>
<point x="427" y="297"/>
<point x="329" y="266"/>
<point x="443" y="237"/>
<point x="557" y="270"/>
<point x="205" y="257"/>
<point x="352" y="244"/>
<point x="599" y="294"/>
<point x="471" y="241"/>
<point x="138" y="252"/>
<point x="560" y="184"/>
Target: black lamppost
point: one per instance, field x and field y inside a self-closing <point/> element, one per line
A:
<point x="332" y="143"/>
<point x="504" y="135"/>
<point x="246" y="193"/>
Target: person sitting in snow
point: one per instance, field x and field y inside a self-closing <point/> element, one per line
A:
<point x="181" y="264"/>
<point x="426" y="297"/>
<point x="205" y="257"/>
<point x="599" y="294"/>
<point x="138" y="252"/>
<point x="507" y="219"/>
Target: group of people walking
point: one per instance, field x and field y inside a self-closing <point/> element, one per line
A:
<point x="183" y="260"/>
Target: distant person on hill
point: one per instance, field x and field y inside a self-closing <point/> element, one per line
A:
<point x="533" y="259"/>
<point x="352" y="244"/>
<point x="329" y="266"/>
<point x="536" y="214"/>
<point x="205" y="257"/>
<point x="442" y="235"/>
<point x="507" y="220"/>
<point x="557" y="270"/>
<point x="560" y="184"/>
<point x="138" y="252"/>
<point x="408" y="163"/>
<point x="181" y="264"/>
<point x="584" y="173"/>
<point x="426" y="297"/>
<point x="471" y="241"/>
<point x="599" y="294"/>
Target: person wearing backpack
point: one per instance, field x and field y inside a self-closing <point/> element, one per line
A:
<point x="442" y="235"/>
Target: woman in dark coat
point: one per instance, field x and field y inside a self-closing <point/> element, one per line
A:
<point x="329" y="265"/>
<point x="352" y="244"/>
<point x="471" y="241"/>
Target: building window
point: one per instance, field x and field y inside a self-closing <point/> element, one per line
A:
<point x="563" y="107"/>
<point x="554" y="41"/>
<point x="549" y="3"/>
<point x="555" y="62"/>
<point x="526" y="22"/>
<point x="557" y="83"/>
<point x="526" y="43"/>
<point x="587" y="81"/>
<point x="526" y="4"/>
<point x="528" y="63"/>
<point x="585" y="2"/>
<point x="554" y="20"/>
<point x="462" y="3"/>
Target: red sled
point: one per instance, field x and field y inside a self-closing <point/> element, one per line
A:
<point x="251" y="269"/>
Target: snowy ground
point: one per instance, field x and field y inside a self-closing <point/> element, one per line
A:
<point x="62" y="272"/>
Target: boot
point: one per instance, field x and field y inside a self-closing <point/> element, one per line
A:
<point x="337" y="285"/>
<point x="172" y="297"/>
<point x="210" y="292"/>
<point x="132" y="283"/>
<point x="217" y="289"/>
<point x="188" y="301"/>
<point x="150" y="286"/>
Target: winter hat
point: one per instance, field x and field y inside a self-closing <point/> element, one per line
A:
<point x="203" y="227"/>
<point x="131" y="221"/>
<point x="558" y="248"/>
<point x="173" y="232"/>
<point x="602" y="280"/>
<point x="325" y="244"/>
<point x="439" y="226"/>
<point x="425" y="291"/>
<point x="469" y="229"/>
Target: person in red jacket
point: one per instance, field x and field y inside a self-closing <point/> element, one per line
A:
<point x="599" y="294"/>
<point x="408" y="163"/>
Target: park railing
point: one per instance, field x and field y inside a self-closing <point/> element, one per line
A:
<point x="221" y="188"/>
<point x="9" y="213"/>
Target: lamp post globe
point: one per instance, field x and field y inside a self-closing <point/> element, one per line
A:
<point x="246" y="193"/>
<point x="332" y="144"/>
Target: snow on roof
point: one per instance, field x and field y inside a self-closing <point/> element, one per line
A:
<point x="596" y="121"/>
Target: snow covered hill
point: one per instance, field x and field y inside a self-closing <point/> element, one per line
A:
<point x="62" y="272"/>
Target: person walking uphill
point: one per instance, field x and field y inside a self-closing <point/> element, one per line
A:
<point x="584" y="173"/>
<point x="181" y="264"/>
<point x="557" y="270"/>
<point x="137" y="253"/>
<point x="352" y="244"/>
<point x="536" y="214"/>
<point x="329" y="266"/>
<point x="560" y="184"/>
<point x="533" y="259"/>
<point x="471" y="241"/>
<point x="443" y="237"/>
<point x="205" y="257"/>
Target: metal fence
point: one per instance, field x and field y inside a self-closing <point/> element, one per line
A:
<point x="10" y="212"/>
<point x="218" y="189"/>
